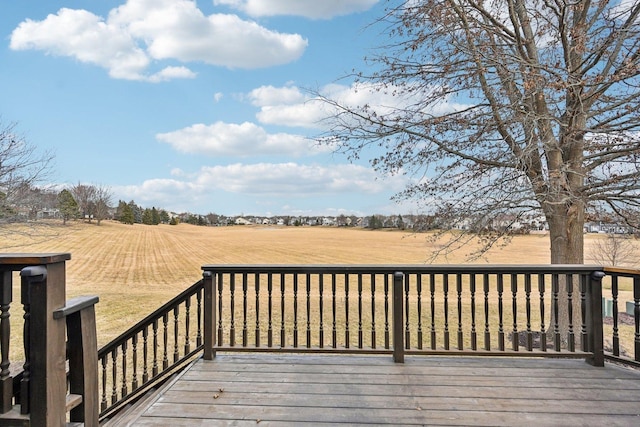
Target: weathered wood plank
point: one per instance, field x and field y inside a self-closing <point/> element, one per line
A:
<point x="351" y="390"/>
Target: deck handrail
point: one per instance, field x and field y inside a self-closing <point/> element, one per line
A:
<point x="617" y="279"/>
<point x="431" y="309"/>
<point x="164" y="328"/>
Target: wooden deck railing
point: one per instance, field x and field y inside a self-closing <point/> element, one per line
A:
<point x="37" y="390"/>
<point x="498" y="310"/>
<point x="151" y="350"/>
<point x="621" y="307"/>
<point x="448" y="309"/>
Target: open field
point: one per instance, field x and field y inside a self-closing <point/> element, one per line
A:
<point x="133" y="269"/>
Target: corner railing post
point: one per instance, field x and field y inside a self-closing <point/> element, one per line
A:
<point x="398" y="337"/>
<point x="48" y="382"/>
<point x="209" y="316"/>
<point x="594" y="319"/>
<point x="6" y="381"/>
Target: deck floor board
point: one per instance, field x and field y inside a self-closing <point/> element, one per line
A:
<point x="285" y="390"/>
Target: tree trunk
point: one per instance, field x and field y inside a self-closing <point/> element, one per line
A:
<point x="566" y="232"/>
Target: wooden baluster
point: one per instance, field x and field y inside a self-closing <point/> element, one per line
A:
<point x="321" y="308"/>
<point x="543" y="328"/>
<point x="295" y="310"/>
<point x="25" y="398"/>
<point x="308" y="288"/>
<point x="334" y="331"/>
<point x="124" y="390"/>
<point x="176" y="333"/>
<point x="103" y="401"/>
<point x="220" y="282"/>
<point x="474" y="334"/>
<point x="145" y="354"/>
<point x="232" y="309"/>
<point x="555" y="289"/>
<point x="527" y="293"/>
<point x="270" y="299"/>
<point x="419" y="308"/>
<point x="487" y="330"/>
<point x="407" y="327"/>
<point x="114" y="376"/>
<point x="134" y="355"/>
<point x="515" y="341"/>
<point x="346" y="311"/>
<point x="432" y="299"/>
<point x="386" y="312"/>
<point x="257" y="288"/>
<point x="187" y="325"/>
<point x="459" y="298"/>
<point x="6" y="382"/>
<point x="199" y="317"/>
<point x="445" y="288"/>
<point x="398" y="345"/>
<point x="373" y="311"/>
<point x="616" y="331"/>
<point x="282" y="306"/>
<point x="154" y="368"/>
<point x="244" y="309"/>
<point x="636" y="316"/>
<point x="500" y="313"/>
<point x="584" y="343"/>
<point x="571" y="340"/>
<point x="360" y="338"/>
<point x="165" y="341"/>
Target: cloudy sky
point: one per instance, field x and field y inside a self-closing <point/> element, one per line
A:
<point x="199" y="106"/>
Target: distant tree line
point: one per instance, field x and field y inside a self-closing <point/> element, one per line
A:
<point x="131" y="213"/>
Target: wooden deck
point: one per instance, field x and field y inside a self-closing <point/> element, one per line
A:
<point x="276" y="390"/>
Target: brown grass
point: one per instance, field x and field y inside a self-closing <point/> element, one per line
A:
<point x="134" y="269"/>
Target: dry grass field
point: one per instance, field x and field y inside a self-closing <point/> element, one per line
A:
<point x="135" y="268"/>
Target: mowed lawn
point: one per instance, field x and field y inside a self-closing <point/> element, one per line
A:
<point x="136" y="268"/>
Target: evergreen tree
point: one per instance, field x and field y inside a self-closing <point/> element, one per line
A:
<point x="67" y="205"/>
<point x="147" y="217"/>
<point x="164" y="216"/>
<point x="127" y="216"/>
<point x="155" y="216"/>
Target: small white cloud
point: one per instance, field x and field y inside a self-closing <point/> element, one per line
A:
<point x="245" y="139"/>
<point x="314" y="9"/>
<point x="218" y="96"/>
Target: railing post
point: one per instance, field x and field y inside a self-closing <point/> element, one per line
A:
<point x="209" y="316"/>
<point x="80" y="317"/>
<point x="398" y="337"/>
<point x="594" y="318"/>
<point x="6" y="381"/>
<point x="48" y="382"/>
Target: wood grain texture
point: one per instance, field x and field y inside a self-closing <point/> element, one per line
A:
<point x="269" y="389"/>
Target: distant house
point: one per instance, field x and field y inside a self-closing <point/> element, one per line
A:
<point x="242" y="221"/>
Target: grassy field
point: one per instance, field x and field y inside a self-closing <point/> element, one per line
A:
<point x="135" y="268"/>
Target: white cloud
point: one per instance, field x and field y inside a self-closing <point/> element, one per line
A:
<point x="279" y="184"/>
<point x="315" y="9"/>
<point x="292" y="179"/>
<point x="289" y="106"/>
<point x="245" y="139"/>
<point x="141" y="31"/>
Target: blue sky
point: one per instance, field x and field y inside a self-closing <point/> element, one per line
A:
<point x="196" y="106"/>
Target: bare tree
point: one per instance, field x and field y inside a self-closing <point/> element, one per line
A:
<point x="102" y="202"/>
<point x="85" y="197"/>
<point x="614" y="250"/>
<point x="503" y="107"/>
<point x="21" y="167"/>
